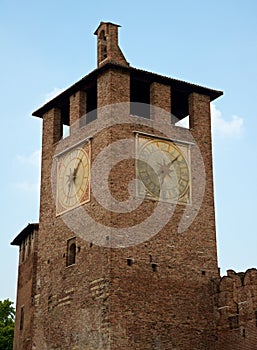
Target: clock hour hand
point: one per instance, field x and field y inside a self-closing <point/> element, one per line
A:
<point x="165" y="170"/>
<point x="76" y="170"/>
<point x="69" y="185"/>
<point x="162" y="177"/>
<point x="69" y="178"/>
<point x="69" y="181"/>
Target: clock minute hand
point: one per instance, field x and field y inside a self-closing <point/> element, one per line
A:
<point x="174" y="160"/>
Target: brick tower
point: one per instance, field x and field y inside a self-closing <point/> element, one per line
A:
<point x="101" y="276"/>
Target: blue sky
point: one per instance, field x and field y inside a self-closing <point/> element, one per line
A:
<point x="48" y="45"/>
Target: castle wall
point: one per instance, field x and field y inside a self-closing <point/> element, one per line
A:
<point x="26" y="288"/>
<point x="237" y="311"/>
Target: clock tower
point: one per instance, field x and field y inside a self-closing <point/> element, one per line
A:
<point x="125" y="252"/>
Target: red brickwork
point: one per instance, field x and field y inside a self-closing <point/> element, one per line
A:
<point x="162" y="293"/>
<point x="107" y="35"/>
<point x="27" y="279"/>
<point x="237" y="311"/>
<point x="77" y="107"/>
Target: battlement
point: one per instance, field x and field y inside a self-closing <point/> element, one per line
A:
<point x="236" y="314"/>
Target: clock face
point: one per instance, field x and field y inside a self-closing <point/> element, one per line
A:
<point x="73" y="175"/>
<point x="163" y="168"/>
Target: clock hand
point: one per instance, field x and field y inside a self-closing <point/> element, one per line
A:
<point x="69" y="181"/>
<point x="69" y="177"/>
<point x="174" y="160"/>
<point x="69" y="184"/>
<point x="162" y="177"/>
<point x="76" y="170"/>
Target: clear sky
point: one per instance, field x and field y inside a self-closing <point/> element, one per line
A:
<point x="48" y="45"/>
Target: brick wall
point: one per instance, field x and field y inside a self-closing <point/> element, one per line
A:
<point x="23" y="333"/>
<point x="164" y="299"/>
<point x="237" y="311"/>
<point x="163" y="292"/>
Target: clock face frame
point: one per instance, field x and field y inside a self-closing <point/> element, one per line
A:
<point x="163" y="168"/>
<point x="73" y="177"/>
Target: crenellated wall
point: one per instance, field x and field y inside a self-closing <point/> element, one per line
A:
<point x="237" y="311"/>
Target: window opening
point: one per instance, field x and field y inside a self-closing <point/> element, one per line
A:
<point x="180" y="109"/>
<point x="91" y="107"/>
<point x="65" y="118"/>
<point x="139" y="98"/>
<point x="103" y="43"/>
<point x="129" y="262"/>
<point x="182" y="123"/>
<point x="65" y="131"/>
<point x="154" y="267"/>
<point x="71" y="252"/>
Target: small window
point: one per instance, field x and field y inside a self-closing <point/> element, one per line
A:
<point x="129" y="262"/>
<point x="71" y="252"/>
<point x="154" y="267"/>
<point x="22" y="318"/>
<point x="102" y="35"/>
<point x="103" y="44"/>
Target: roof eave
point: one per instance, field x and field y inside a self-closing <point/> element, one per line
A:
<point x="179" y="84"/>
<point x="101" y="23"/>
<point x="24" y="233"/>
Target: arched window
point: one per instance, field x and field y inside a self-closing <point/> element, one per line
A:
<point x="103" y="45"/>
<point x="71" y="252"/>
<point x="102" y="35"/>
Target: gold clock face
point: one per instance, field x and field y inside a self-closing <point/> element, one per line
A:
<point x="163" y="168"/>
<point x="73" y="176"/>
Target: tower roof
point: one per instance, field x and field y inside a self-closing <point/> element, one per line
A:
<point x="110" y="23"/>
<point x="110" y="57"/>
<point x="179" y="86"/>
<point x="24" y="233"/>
